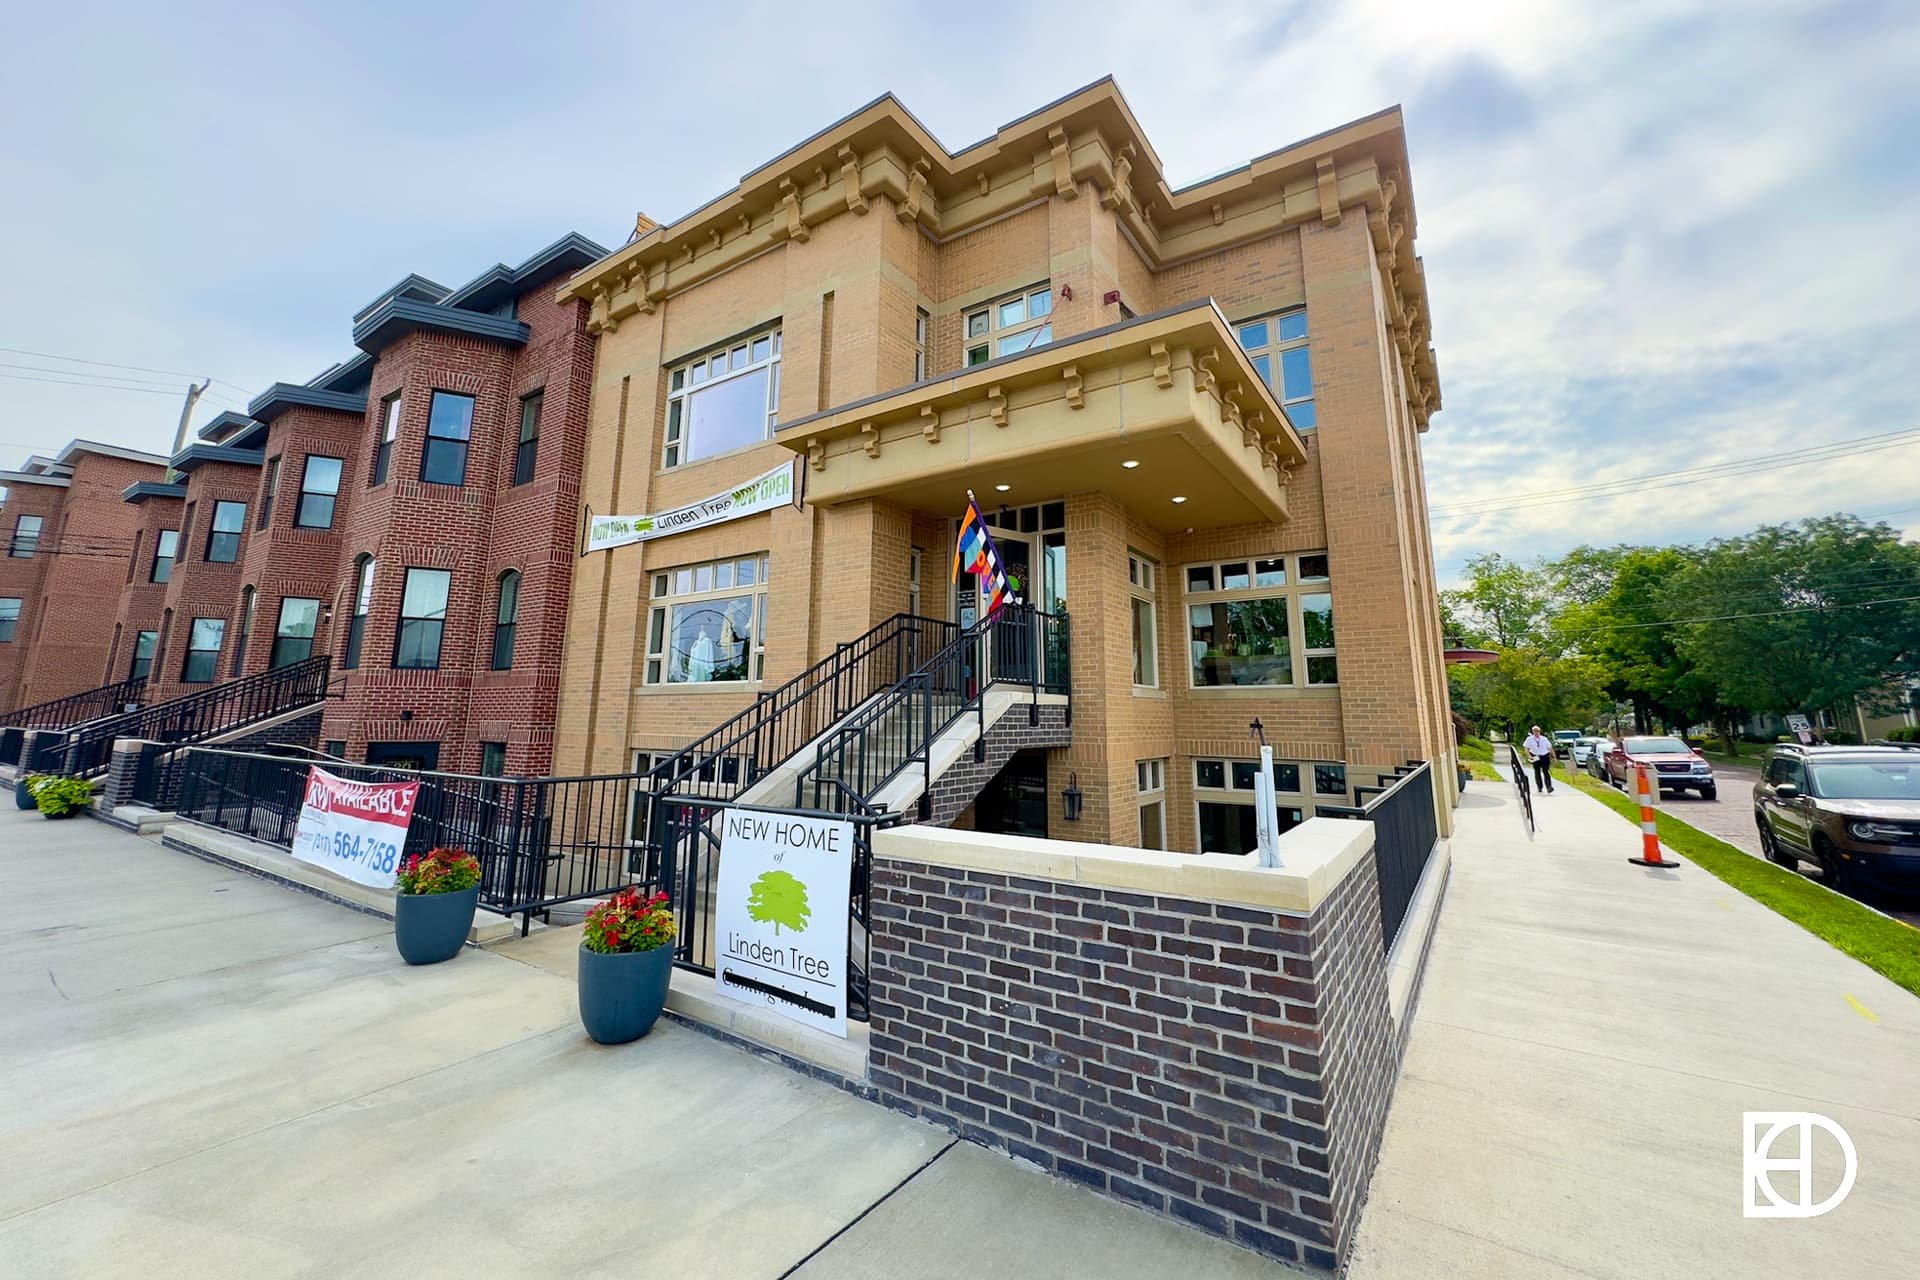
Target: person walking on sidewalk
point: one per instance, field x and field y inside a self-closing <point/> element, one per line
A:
<point x="1539" y="749"/>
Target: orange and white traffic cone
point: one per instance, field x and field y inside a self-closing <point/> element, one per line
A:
<point x="1650" y="854"/>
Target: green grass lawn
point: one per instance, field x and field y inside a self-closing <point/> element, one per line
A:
<point x="1885" y="946"/>
<point x="1477" y="755"/>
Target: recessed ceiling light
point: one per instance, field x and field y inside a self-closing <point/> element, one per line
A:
<point x="1179" y="499"/>
<point x="1002" y="488"/>
<point x="1131" y="463"/>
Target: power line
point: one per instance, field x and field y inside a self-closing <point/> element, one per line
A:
<point x="97" y="386"/>
<point x="1737" y="617"/>
<point x="107" y="364"/>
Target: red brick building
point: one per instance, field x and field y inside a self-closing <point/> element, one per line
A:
<point x="149" y="570"/>
<point x="65" y="534"/>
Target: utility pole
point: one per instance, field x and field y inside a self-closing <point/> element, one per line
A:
<point x="186" y="415"/>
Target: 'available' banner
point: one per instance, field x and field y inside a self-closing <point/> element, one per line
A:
<point x="764" y="493"/>
<point x="355" y="829"/>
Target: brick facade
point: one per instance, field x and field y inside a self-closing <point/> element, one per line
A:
<point x="198" y="587"/>
<point x="1227" y="1066"/>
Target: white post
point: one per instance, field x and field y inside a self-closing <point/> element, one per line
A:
<point x="1265" y="820"/>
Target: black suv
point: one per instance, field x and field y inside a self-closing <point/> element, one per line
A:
<point x="1854" y="811"/>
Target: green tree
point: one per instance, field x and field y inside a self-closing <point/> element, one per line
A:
<point x="777" y="898"/>
<point x="1504" y="603"/>
<point x="1529" y="686"/>
<point x="1800" y="617"/>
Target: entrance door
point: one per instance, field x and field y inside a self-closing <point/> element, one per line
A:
<point x="1015" y="802"/>
<point x="1012" y="657"/>
<point x="405" y="755"/>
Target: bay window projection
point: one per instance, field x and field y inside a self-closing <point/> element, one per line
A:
<point x="1277" y="345"/>
<point x="1007" y="326"/>
<point x="723" y="400"/>
<point x="1266" y="621"/>
<point x="708" y="621"/>
<point x="1223" y="792"/>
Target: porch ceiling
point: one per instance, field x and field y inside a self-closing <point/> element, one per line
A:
<point x="1171" y="392"/>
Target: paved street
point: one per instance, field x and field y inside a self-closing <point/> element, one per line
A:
<point x="207" y="1076"/>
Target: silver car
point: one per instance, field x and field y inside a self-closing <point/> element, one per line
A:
<point x="1583" y="748"/>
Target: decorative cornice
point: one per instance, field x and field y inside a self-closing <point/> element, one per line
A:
<point x="144" y="489"/>
<point x="398" y="317"/>
<point x="195" y="456"/>
<point x="283" y="396"/>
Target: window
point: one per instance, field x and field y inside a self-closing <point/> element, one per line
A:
<point x="26" y="537"/>
<point x="1010" y="325"/>
<point x="143" y="646"/>
<point x="920" y="324"/>
<point x="246" y="629"/>
<point x="362" y="601"/>
<point x="389" y="429"/>
<point x="269" y="490"/>
<point x="133" y="561"/>
<point x="203" y="650"/>
<point x="505" y="618"/>
<point x="1330" y="780"/>
<point x="319" y="487"/>
<point x="1151" y="779"/>
<point x="493" y="759"/>
<point x="423" y="616"/>
<point x="449" y="427"/>
<point x="1265" y="621"/>
<point x="1143" y="579"/>
<point x="708" y="622"/>
<point x="293" y="638"/>
<point x="336" y="747"/>
<point x="164" y="547"/>
<point x="223" y="535"/>
<point x="528" y="448"/>
<point x="723" y="400"/>
<point x="10" y="617"/>
<point x="1224" y="799"/>
<point x="1277" y="345"/>
<point x="915" y="558"/>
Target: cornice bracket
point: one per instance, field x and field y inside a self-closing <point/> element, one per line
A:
<point x="870" y="439"/>
<point x="1162" y="365"/>
<point x="850" y="179"/>
<point x="817" y="454"/>
<point x="930" y="423"/>
<point x="1329" y="185"/>
<point x="997" y="404"/>
<point x="1071" y="375"/>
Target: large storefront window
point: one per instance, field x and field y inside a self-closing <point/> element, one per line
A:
<point x="1223" y="792"/>
<point x="708" y="622"/>
<point x="1265" y="621"/>
<point x="723" y="400"/>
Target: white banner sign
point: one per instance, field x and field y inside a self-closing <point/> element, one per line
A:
<point x="354" y="829"/>
<point x="782" y="915"/>
<point x="774" y="489"/>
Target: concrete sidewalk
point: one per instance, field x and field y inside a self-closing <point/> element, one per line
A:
<point x="206" y="1075"/>
<point x="1587" y="1039"/>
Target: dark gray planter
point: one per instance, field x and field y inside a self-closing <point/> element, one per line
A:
<point x="622" y="993"/>
<point x="431" y="927"/>
<point x="22" y="798"/>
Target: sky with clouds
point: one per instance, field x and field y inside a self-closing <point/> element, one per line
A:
<point x="1657" y="236"/>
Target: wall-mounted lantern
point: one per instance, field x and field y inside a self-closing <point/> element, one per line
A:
<point x="1072" y="798"/>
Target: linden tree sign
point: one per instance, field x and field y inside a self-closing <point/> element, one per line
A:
<point x="762" y="493"/>
<point x="781" y="915"/>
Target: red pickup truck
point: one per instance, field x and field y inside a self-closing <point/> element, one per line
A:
<point x="1675" y="765"/>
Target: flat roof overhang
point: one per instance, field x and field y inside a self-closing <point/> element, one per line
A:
<point x="1171" y="392"/>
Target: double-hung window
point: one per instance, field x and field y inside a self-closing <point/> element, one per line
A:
<point x="527" y="448"/>
<point x="449" y="428"/>
<point x="1007" y="326"/>
<point x="203" y="650"/>
<point x="505" y="620"/>
<point x="1150" y="778"/>
<point x="423" y="618"/>
<point x="708" y="622"/>
<point x="1266" y="621"/>
<point x="1224" y="798"/>
<point x="319" y="489"/>
<point x="26" y="537"/>
<point x="362" y="602"/>
<point x="293" y="638"/>
<point x="223" y="534"/>
<point x="389" y="431"/>
<point x="165" y="546"/>
<point x="723" y="400"/>
<point x="1143" y="581"/>
<point x="9" y="617"/>
<point x="1277" y="345"/>
<point x="269" y="489"/>
<point x="246" y="630"/>
<point x="143" y="647"/>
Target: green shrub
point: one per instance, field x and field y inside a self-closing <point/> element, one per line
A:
<point x="57" y="797"/>
<point x="1843" y="738"/>
<point x="1905" y="733"/>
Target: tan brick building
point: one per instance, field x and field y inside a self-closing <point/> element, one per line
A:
<point x="1193" y="417"/>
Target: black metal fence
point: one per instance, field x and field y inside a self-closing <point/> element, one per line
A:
<point x="687" y="831"/>
<point x="1405" y="828"/>
<point x="75" y="708"/>
<point x="540" y="841"/>
<point x="1522" y="786"/>
<point x="195" y="717"/>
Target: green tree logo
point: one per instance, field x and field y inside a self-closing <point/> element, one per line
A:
<point x="779" y="899"/>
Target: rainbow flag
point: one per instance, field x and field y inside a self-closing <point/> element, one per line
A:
<point x="974" y="551"/>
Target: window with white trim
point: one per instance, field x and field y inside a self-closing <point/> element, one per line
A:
<point x="724" y="399"/>
<point x="921" y="323"/>
<point x="1143" y="582"/>
<point x="1261" y="621"/>
<point x="1223" y="793"/>
<point x="1007" y="326"/>
<point x="708" y="622"/>
<point x="915" y="558"/>
<point x="1150" y="779"/>
<point x="1277" y="345"/>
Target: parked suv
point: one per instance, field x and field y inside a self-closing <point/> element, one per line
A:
<point x="1563" y="740"/>
<point x="1854" y="811"/>
<point x="1675" y="765"/>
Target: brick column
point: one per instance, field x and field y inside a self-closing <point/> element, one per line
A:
<point x="117" y="788"/>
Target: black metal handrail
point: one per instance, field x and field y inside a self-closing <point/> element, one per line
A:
<point x="1017" y="645"/>
<point x="76" y="708"/>
<point x="1522" y="786"/>
<point x="198" y="716"/>
<point x="732" y="757"/>
<point x="1405" y="830"/>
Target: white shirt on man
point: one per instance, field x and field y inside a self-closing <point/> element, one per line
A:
<point x="1538" y="745"/>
